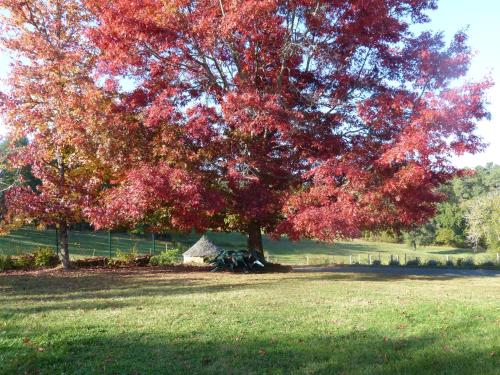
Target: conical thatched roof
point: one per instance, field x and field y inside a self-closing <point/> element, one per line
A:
<point x="202" y="248"/>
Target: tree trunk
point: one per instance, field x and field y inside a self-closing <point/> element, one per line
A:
<point x="254" y="242"/>
<point x="63" y="243"/>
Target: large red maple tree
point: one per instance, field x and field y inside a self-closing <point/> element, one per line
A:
<point x="310" y="118"/>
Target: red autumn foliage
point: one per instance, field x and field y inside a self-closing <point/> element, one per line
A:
<point x="53" y="101"/>
<point x="311" y="118"/>
<point x="303" y="117"/>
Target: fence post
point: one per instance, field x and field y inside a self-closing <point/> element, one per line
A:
<point x="154" y="242"/>
<point x="307" y="260"/>
<point x="498" y="257"/>
<point x="447" y="258"/>
<point x="369" y="259"/>
<point x="57" y="242"/>
<point x="350" y="259"/>
<point x="109" y="242"/>
<point x="359" y="260"/>
<point x="405" y="258"/>
<point x="379" y="258"/>
<point x="392" y="258"/>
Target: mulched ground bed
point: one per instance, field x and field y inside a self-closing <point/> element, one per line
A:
<point x="98" y="264"/>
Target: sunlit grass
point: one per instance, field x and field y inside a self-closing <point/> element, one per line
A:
<point x="157" y="323"/>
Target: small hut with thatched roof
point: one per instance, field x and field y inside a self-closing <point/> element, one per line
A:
<point x="200" y="251"/>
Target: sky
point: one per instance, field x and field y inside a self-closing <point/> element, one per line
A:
<point x="483" y="22"/>
<point x="481" y="18"/>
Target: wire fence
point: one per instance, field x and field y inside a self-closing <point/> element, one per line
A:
<point x="384" y="259"/>
<point x="85" y="243"/>
<point x="88" y="243"/>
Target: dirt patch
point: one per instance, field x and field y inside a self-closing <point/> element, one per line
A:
<point x="105" y="269"/>
<point x="96" y="266"/>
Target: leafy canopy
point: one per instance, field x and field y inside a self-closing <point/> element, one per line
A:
<point x="305" y="117"/>
<point x="309" y="118"/>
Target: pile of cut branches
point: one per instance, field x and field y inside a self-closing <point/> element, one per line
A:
<point x="237" y="261"/>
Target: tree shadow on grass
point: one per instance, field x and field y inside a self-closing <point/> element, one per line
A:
<point x="219" y="347"/>
<point x="384" y="273"/>
<point x="131" y="284"/>
<point x="52" y="288"/>
<point x="467" y="252"/>
<point x="372" y="277"/>
<point x="49" y="293"/>
<point x="355" y="352"/>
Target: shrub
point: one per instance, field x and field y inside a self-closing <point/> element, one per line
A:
<point x="413" y="262"/>
<point x="41" y="257"/>
<point x="155" y="260"/>
<point x="24" y="261"/>
<point x="469" y="263"/>
<point x="394" y="262"/>
<point x="126" y="257"/>
<point x="433" y="263"/>
<point x="488" y="264"/>
<point x="45" y="257"/>
<point x="376" y="262"/>
<point x="465" y="263"/>
<point x="165" y="258"/>
<point x="450" y="264"/>
<point x="6" y="262"/>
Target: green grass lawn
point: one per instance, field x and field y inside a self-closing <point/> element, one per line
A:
<point x="87" y="243"/>
<point x="144" y="322"/>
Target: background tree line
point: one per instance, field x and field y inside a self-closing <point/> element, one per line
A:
<point x="468" y="217"/>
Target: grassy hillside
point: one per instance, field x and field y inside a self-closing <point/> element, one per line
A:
<point x="88" y="243"/>
<point x="160" y="323"/>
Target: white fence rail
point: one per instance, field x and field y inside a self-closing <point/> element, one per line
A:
<point x="385" y="259"/>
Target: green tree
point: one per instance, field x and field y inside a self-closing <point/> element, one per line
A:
<point x="482" y="181"/>
<point x="483" y="220"/>
<point x="450" y="224"/>
<point x="424" y="235"/>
